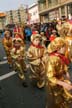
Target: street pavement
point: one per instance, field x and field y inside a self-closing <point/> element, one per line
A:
<point x="13" y="94"/>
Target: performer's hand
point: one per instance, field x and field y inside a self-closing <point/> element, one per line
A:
<point x="67" y="86"/>
<point x="40" y="56"/>
<point x="7" y="49"/>
<point x="30" y="55"/>
<point x="19" y="58"/>
<point x="68" y="76"/>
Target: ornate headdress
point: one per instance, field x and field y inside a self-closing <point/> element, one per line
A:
<point x="34" y="36"/>
<point x="56" y="44"/>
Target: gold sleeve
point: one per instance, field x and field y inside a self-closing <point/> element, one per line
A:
<point x="22" y="52"/>
<point x="4" y="44"/>
<point x="66" y="68"/>
<point x="30" y="54"/>
<point x="50" y="73"/>
<point x="13" y="55"/>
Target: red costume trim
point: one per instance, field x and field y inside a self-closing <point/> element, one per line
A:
<point x="52" y="37"/>
<point x="18" y="31"/>
<point x="62" y="57"/>
<point x="37" y="46"/>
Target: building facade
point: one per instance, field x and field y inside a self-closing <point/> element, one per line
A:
<point x="16" y="16"/>
<point x="2" y="20"/>
<point x="54" y="9"/>
<point x="33" y="14"/>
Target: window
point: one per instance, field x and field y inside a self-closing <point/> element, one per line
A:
<point x="63" y="10"/>
<point x="49" y="1"/>
<point x="34" y="13"/>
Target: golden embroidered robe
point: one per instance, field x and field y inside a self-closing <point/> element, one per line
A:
<point x="56" y="70"/>
<point x="7" y="43"/>
<point x="19" y="64"/>
<point x="34" y="56"/>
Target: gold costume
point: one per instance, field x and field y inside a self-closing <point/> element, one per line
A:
<point x="68" y="40"/>
<point x="34" y="55"/>
<point x="18" y="33"/>
<point x="67" y="35"/>
<point x="56" y="69"/>
<point x="18" y="55"/>
<point x="43" y="39"/>
<point x="59" y="29"/>
<point x="7" y="43"/>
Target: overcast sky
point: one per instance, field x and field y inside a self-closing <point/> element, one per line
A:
<point x="6" y="5"/>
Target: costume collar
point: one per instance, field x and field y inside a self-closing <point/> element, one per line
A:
<point x="62" y="57"/>
<point x="37" y="46"/>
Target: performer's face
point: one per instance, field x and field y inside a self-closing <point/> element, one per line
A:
<point x="17" y="44"/>
<point x="62" y="50"/>
<point x="42" y="34"/>
<point x="59" y="22"/>
<point x="54" y="33"/>
<point x="36" y="41"/>
<point x="16" y="25"/>
<point x="8" y="35"/>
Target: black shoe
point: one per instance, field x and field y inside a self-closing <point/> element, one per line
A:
<point x="25" y="84"/>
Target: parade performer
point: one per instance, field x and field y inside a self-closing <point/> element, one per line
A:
<point x="18" y="56"/>
<point x="68" y="40"/>
<point x="65" y="29"/>
<point x="34" y="55"/>
<point x="18" y="33"/>
<point x="53" y="35"/>
<point x="59" y="27"/>
<point x="67" y="35"/>
<point x="44" y="39"/>
<point x="57" y="75"/>
<point x="7" y="43"/>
